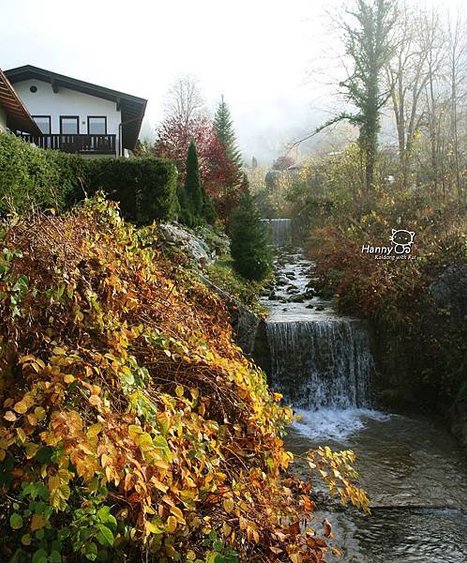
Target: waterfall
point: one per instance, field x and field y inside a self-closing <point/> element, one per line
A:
<point x="280" y="231"/>
<point x="320" y="363"/>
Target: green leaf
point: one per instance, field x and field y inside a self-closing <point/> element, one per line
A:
<point x="161" y="443"/>
<point x="55" y="557"/>
<point x="105" y="536"/>
<point x="103" y="513"/>
<point x="16" y="521"/>
<point x="106" y="518"/>
<point x="91" y="551"/>
<point x="40" y="556"/>
<point x="63" y="534"/>
<point x="44" y="455"/>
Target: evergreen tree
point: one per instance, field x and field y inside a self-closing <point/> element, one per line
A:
<point x="192" y="187"/>
<point x="195" y="204"/>
<point x="209" y="211"/>
<point x="223" y="127"/>
<point x="249" y="246"/>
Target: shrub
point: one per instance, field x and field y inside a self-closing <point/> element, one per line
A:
<point x="249" y="247"/>
<point x="32" y="177"/>
<point x="146" y="188"/>
<point x="222" y="274"/>
<point x="131" y="428"/>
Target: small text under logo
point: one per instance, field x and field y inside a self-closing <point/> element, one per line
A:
<point x="401" y="248"/>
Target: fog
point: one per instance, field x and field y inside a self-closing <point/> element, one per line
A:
<point x="277" y="63"/>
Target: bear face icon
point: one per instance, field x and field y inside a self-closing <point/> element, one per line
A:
<point x="402" y="240"/>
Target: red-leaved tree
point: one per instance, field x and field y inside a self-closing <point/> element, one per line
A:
<point x="188" y="121"/>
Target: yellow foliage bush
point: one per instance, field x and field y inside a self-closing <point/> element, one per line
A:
<point x="130" y="424"/>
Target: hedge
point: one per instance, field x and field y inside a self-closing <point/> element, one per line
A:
<point x="146" y="188"/>
<point x="31" y="177"/>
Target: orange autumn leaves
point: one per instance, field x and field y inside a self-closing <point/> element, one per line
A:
<point x="129" y="421"/>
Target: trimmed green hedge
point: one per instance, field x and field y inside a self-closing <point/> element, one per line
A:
<point x="31" y="177"/>
<point x="145" y="187"/>
<point x="34" y="178"/>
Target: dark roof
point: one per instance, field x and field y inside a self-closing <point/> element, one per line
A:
<point x="132" y="107"/>
<point x="18" y="117"/>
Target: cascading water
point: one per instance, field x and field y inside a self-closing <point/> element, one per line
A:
<point x="411" y="468"/>
<point x="321" y="363"/>
<point x="280" y="231"/>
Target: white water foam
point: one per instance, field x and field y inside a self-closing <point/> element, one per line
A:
<point x="335" y="424"/>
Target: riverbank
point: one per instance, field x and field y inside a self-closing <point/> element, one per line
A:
<point x="412" y="469"/>
<point x="131" y="425"/>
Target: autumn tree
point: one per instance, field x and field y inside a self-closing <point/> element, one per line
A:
<point x="225" y="177"/>
<point x="185" y="120"/>
<point x="219" y="160"/>
<point x="457" y="73"/>
<point x="407" y="78"/>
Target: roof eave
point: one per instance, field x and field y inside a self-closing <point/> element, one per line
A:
<point x="18" y="117"/>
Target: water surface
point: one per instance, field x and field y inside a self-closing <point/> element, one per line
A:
<point x="410" y="466"/>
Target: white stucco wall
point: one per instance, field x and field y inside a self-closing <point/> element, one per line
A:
<point x="67" y="102"/>
<point x="2" y="119"/>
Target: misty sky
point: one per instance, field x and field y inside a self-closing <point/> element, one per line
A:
<point x="274" y="61"/>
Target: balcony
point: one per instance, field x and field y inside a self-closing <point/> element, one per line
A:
<point x="77" y="144"/>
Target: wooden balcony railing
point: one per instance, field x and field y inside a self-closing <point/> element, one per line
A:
<point x="79" y="144"/>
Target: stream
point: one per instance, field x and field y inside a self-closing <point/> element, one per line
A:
<point x="411" y="468"/>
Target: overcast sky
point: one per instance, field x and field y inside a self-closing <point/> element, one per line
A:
<point x="273" y="60"/>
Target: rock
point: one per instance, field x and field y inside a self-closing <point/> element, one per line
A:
<point x="310" y="306"/>
<point x="262" y="351"/>
<point x="300" y="298"/>
<point x="282" y="280"/>
<point x="292" y="289"/>
<point x="194" y="247"/>
<point x="244" y="322"/>
<point x="290" y="275"/>
<point x="319" y="307"/>
<point x="458" y="414"/>
<point x="272" y="296"/>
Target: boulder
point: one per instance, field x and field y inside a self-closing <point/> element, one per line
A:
<point x="292" y="289"/>
<point x="282" y="280"/>
<point x="194" y="247"/>
<point x="300" y="298"/>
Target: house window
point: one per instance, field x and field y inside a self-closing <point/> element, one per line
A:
<point x="43" y="122"/>
<point x="69" y="125"/>
<point x="97" y="125"/>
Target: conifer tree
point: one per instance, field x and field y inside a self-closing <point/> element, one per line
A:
<point x="223" y="127"/>
<point x="209" y="211"/>
<point x="196" y="206"/>
<point x="249" y="246"/>
<point x="192" y="186"/>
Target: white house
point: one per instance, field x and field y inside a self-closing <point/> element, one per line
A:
<point x="13" y="114"/>
<point x="76" y="116"/>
